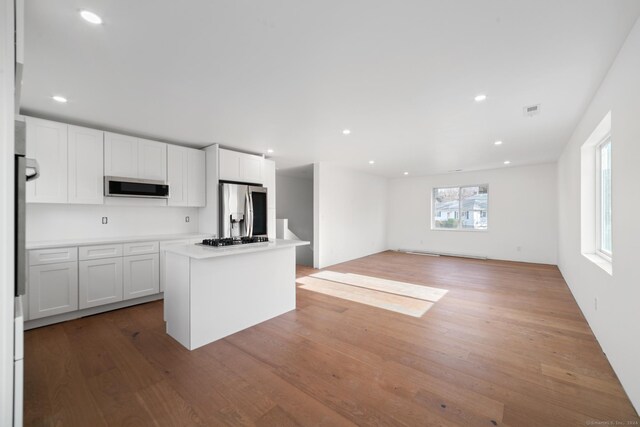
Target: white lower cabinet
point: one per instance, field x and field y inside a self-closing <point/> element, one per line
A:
<point x="100" y="282"/>
<point x="141" y="275"/>
<point x="53" y="289"/>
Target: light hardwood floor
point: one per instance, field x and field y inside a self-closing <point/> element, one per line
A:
<point x="507" y="346"/>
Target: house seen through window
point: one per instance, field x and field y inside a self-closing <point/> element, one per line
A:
<point x="460" y="208"/>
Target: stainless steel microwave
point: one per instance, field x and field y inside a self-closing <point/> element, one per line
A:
<point x="129" y="187"/>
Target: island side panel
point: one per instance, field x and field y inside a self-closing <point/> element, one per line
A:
<point x="177" y="298"/>
<point x="232" y="293"/>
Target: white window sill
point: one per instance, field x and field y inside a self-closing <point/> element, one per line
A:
<point x="464" y="230"/>
<point x="600" y="262"/>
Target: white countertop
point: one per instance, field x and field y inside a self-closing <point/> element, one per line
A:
<point x="205" y="252"/>
<point x="106" y="240"/>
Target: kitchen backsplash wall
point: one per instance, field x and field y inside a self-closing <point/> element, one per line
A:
<point x="65" y="221"/>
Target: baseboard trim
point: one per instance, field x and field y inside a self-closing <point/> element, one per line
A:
<point x="414" y="252"/>
<point x="46" y="321"/>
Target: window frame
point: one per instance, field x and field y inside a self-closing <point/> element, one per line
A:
<point x="459" y="212"/>
<point x="608" y="256"/>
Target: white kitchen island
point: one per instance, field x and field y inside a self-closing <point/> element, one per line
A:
<point x="213" y="292"/>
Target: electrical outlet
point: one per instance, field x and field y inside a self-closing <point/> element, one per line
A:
<point x="595" y="303"/>
<point x="105" y="220"/>
<point x="187" y="219"/>
<point x="518" y="248"/>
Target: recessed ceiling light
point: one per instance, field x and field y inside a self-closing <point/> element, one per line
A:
<point x="59" y="98"/>
<point x="371" y="162"/>
<point x="406" y="173"/>
<point x="346" y="132"/>
<point x="480" y="97"/>
<point x="91" y="17"/>
<point x="507" y="162"/>
<point x="269" y="151"/>
<point x="497" y="143"/>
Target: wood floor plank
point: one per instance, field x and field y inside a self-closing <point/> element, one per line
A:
<point x="399" y="304"/>
<point x="422" y="292"/>
<point x="507" y="346"/>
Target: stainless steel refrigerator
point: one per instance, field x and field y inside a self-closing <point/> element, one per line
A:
<point x="25" y="170"/>
<point x="243" y="210"/>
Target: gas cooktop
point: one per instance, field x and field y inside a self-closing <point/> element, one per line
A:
<point x="234" y="241"/>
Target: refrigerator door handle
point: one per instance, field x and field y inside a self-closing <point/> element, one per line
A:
<point x="251" y="210"/>
<point x="249" y="215"/>
<point x="20" y="231"/>
<point x="32" y="164"/>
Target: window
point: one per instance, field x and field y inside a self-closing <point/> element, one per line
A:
<point x="460" y="208"/>
<point x="603" y="199"/>
<point x="596" y="242"/>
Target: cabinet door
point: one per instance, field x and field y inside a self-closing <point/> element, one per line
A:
<point x="120" y="155"/>
<point x="152" y="160"/>
<point x="100" y="282"/>
<point x="269" y="181"/>
<point x="86" y="161"/>
<point x="251" y="168"/>
<point x="196" y="178"/>
<point x="141" y="276"/>
<point x="229" y="165"/>
<point x="52" y="289"/>
<point x="177" y="175"/>
<point x="47" y="143"/>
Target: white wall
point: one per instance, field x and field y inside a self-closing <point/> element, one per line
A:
<point x="63" y="221"/>
<point x="616" y="322"/>
<point x="522" y="214"/>
<point x="6" y="212"/>
<point x="294" y="201"/>
<point x="350" y="212"/>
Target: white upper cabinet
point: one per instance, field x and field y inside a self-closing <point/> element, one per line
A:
<point x="120" y="155"/>
<point x="177" y="175"/>
<point x="85" y="173"/>
<point x="229" y="165"/>
<point x="47" y="143"/>
<point x="186" y="176"/>
<point x="152" y="160"/>
<point x="251" y="168"/>
<point x="240" y="167"/>
<point x="196" y="178"/>
<point x="269" y="181"/>
<point x="130" y="157"/>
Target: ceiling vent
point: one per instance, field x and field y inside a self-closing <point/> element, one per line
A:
<point x="531" y="110"/>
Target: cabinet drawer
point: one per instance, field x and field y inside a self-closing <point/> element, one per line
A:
<point x="141" y="248"/>
<point x="52" y="256"/>
<point x="99" y="252"/>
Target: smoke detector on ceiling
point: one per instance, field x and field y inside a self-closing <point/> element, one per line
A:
<point x="531" y="110"/>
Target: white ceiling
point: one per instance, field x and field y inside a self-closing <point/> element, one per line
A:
<point x="291" y="75"/>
